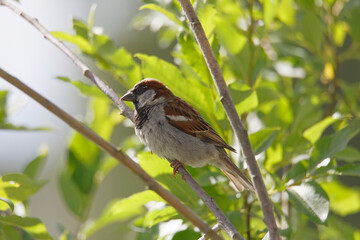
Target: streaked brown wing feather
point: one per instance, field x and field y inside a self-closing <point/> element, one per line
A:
<point x="196" y="125"/>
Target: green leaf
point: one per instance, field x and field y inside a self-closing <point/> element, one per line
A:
<point x="33" y="169"/>
<point x="74" y="198"/>
<point x="81" y="29"/>
<point x="206" y="14"/>
<point x="312" y="30"/>
<point x="354" y="20"/>
<point x="245" y="99"/>
<point x="3" y="98"/>
<point x="186" y="234"/>
<point x="6" y="203"/>
<point x="9" y="126"/>
<point x="229" y="36"/>
<point x="329" y="145"/>
<point x="121" y="210"/>
<point x="313" y="133"/>
<point x="164" y="11"/>
<point x="85" y="89"/>
<point x="262" y="139"/>
<point x="196" y="93"/>
<point x="193" y="57"/>
<point x="296" y="172"/>
<point x="270" y="8"/>
<point x="343" y="200"/>
<point x="349" y="170"/>
<point x="18" y="186"/>
<point x="310" y="199"/>
<point x="77" y="40"/>
<point x="286" y="11"/>
<point x="163" y="173"/>
<point x="349" y="154"/>
<point x="159" y="215"/>
<point x="31" y="225"/>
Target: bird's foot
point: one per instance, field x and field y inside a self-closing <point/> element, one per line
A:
<point x="175" y="165"/>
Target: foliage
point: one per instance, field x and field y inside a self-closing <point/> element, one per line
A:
<point x="282" y="60"/>
<point x="15" y="191"/>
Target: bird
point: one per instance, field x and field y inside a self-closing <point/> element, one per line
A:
<point x="174" y="130"/>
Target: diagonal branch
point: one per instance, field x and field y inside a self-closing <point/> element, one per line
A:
<point x="238" y="127"/>
<point x="152" y="184"/>
<point x="117" y="154"/>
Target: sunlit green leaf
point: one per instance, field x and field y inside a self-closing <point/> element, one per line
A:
<point x="230" y="37"/>
<point x="310" y="199"/>
<point x="343" y="200"/>
<point x="262" y="139"/>
<point x="121" y="210"/>
<point x="79" y="41"/>
<point x="85" y="89"/>
<point x="31" y="225"/>
<point x="286" y="11"/>
<point x="244" y="98"/>
<point x="164" y="11"/>
<point x="159" y="215"/>
<point x="16" y="186"/>
<point x="206" y="14"/>
<point x="194" y="92"/>
<point x="313" y="133"/>
<point x="6" y="203"/>
<point x="163" y="173"/>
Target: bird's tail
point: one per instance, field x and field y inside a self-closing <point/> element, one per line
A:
<point x="238" y="178"/>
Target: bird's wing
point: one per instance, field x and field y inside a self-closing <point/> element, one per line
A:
<point x="184" y="117"/>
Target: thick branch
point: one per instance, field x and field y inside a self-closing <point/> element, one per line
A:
<point x="234" y="119"/>
<point x="118" y="154"/>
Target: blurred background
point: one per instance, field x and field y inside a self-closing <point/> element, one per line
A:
<point x="295" y="54"/>
<point x="28" y="56"/>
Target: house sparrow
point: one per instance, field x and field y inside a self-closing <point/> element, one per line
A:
<point x="173" y="129"/>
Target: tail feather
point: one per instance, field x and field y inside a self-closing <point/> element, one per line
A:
<point x="238" y="178"/>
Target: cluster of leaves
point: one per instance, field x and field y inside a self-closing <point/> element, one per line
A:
<point x="15" y="191"/>
<point x="283" y="61"/>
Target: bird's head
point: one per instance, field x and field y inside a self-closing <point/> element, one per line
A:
<point x="147" y="92"/>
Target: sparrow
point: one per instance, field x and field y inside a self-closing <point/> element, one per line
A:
<point x="173" y="129"/>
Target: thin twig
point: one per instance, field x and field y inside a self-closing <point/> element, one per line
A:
<point x="238" y="127"/>
<point x="128" y="113"/>
<point x="117" y="154"/>
<point x="223" y="221"/>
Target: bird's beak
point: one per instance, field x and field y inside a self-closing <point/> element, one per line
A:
<point x="129" y="96"/>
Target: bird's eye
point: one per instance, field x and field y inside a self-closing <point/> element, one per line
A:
<point x="140" y="90"/>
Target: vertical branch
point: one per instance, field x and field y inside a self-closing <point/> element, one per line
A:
<point x="240" y="131"/>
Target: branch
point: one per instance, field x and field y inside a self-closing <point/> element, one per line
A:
<point x="238" y="127"/>
<point x="117" y="154"/>
<point x="86" y="71"/>
<point x="152" y="184"/>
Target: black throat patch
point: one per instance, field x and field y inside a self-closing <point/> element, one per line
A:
<point x="141" y="116"/>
